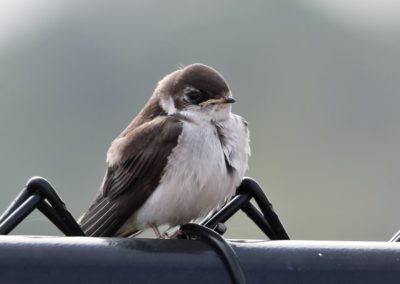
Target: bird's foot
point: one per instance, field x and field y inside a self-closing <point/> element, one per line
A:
<point x="157" y="232"/>
<point x="176" y="235"/>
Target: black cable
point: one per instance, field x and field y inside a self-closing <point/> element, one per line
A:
<point x="221" y="247"/>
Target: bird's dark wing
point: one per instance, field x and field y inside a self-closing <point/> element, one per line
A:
<point x="129" y="182"/>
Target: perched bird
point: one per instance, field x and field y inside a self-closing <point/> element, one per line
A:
<point x="180" y="158"/>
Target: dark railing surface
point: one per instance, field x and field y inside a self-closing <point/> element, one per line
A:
<point x="201" y="255"/>
<point x="113" y="260"/>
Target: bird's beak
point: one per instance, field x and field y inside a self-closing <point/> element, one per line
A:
<point x="218" y="101"/>
<point x="229" y="101"/>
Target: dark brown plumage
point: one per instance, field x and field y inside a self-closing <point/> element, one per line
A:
<point x="128" y="184"/>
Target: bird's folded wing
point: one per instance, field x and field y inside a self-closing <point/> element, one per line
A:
<point x="132" y="179"/>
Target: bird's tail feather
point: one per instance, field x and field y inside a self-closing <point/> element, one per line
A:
<point x="101" y="220"/>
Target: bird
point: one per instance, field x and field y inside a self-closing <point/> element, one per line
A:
<point x="181" y="158"/>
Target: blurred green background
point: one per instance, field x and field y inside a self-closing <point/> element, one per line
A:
<point x="318" y="81"/>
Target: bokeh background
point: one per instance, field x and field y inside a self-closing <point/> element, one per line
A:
<point x="318" y="81"/>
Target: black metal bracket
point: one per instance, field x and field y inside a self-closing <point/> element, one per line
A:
<point x="396" y="237"/>
<point x="38" y="193"/>
<point x="267" y="220"/>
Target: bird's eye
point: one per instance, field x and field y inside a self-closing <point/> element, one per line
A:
<point x="196" y="96"/>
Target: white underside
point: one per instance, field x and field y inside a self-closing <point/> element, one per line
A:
<point x="197" y="180"/>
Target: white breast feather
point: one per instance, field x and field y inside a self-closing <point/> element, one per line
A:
<point x="197" y="180"/>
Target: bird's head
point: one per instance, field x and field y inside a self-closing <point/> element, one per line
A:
<point x="196" y="91"/>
